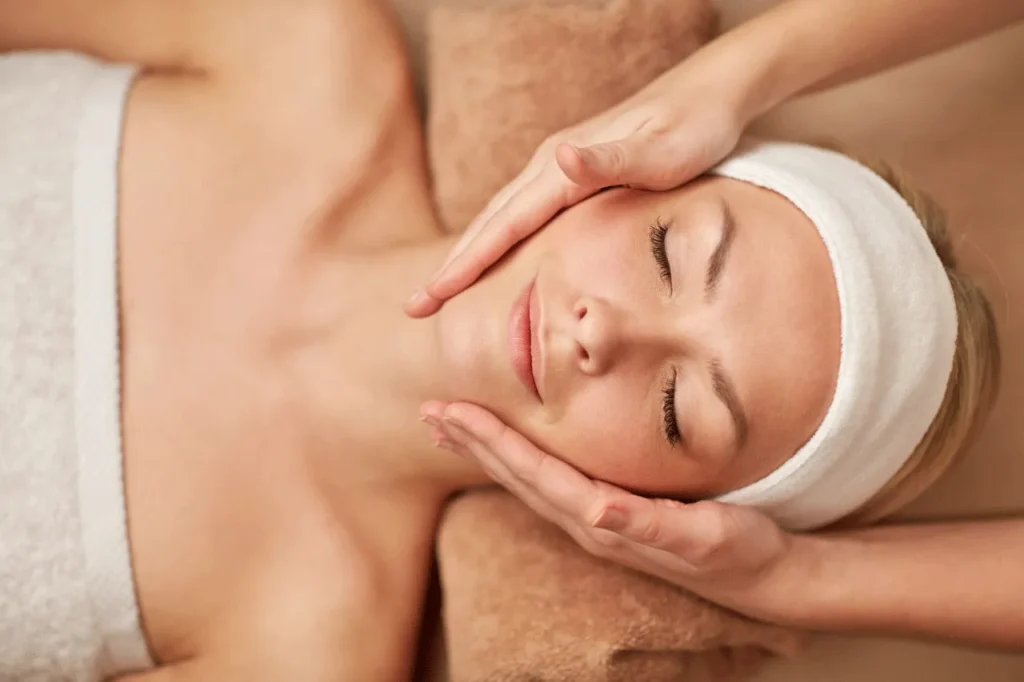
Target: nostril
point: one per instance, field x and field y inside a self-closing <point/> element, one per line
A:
<point x="581" y="311"/>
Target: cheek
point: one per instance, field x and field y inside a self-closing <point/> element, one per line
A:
<point x="606" y="262"/>
<point x="603" y="433"/>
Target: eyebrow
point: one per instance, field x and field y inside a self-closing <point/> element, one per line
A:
<point x="716" y="264"/>
<point x="723" y="386"/>
<point x="726" y="392"/>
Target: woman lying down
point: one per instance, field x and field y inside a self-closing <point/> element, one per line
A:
<point x="212" y="465"/>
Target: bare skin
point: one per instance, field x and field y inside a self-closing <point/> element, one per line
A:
<point x="281" y="497"/>
<point x="261" y="523"/>
<point x="280" y="528"/>
<point x="860" y="580"/>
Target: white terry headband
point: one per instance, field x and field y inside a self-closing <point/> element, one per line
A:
<point x="898" y="326"/>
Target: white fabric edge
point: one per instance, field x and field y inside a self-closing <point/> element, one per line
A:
<point x="104" y="528"/>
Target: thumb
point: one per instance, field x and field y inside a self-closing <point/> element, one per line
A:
<point x="644" y="161"/>
<point x="598" y="165"/>
<point x="692" y="532"/>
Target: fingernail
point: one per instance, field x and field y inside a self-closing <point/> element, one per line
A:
<point x="611" y="519"/>
<point x="430" y="419"/>
<point x="418" y="298"/>
<point x="456" y="432"/>
<point x="450" y="417"/>
<point x="444" y="444"/>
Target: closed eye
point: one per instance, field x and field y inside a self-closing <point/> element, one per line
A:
<point x="657" y="235"/>
<point x="668" y="410"/>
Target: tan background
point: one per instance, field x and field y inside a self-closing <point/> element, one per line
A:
<point x="956" y="122"/>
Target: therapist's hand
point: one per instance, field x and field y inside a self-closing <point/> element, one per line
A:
<point x="668" y="133"/>
<point x="731" y="555"/>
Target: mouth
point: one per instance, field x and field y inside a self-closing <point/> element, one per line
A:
<point x="522" y="338"/>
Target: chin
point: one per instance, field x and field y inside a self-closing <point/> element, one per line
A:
<point x="476" y="362"/>
<point x="467" y="341"/>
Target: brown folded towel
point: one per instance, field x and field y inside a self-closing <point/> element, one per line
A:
<point x="521" y="601"/>
<point x="502" y="78"/>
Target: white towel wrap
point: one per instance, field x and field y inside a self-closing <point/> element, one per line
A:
<point x="898" y="326"/>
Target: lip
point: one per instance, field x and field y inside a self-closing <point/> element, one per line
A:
<point x="522" y="338"/>
<point x="536" y="345"/>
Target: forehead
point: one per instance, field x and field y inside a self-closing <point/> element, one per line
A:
<point x="778" y="325"/>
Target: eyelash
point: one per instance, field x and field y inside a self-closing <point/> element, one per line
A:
<point x="668" y="409"/>
<point x="657" y="238"/>
<point x="668" y="402"/>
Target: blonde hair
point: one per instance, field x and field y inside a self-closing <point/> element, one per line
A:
<point x="973" y="382"/>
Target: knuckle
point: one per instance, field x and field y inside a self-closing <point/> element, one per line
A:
<point x="582" y="538"/>
<point x="495" y="475"/>
<point x="649" y="116"/>
<point x="701" y="555"/>
<point x="607" y="541"/>
<point x="616" y="158"/>
<point x="498" y="435"/>
<point x="600" y="544"/>
<point x="652" y="532"/>
<point x="529" y="476"/>
<point x="717" y="531"/>
<point x="542" y="466"/>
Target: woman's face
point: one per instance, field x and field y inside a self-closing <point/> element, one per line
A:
<point x="682" y="343"/>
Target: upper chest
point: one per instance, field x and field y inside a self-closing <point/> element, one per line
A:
<point x="215" y="182"/>
<point x="260" y="559"/>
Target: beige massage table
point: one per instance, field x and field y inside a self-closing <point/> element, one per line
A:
<point x="956" y="122"/>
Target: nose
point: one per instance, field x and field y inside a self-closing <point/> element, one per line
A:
<point x="606" y="334"/>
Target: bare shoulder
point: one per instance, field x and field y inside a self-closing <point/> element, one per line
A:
<point x="326" y="92"/>
<point x="335" y="74"/>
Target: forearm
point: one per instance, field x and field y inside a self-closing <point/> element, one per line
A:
<point x="959" y="581"/>
<point x="198" y="36"/>
<point x="805" y="45"/>
<point x="157" y="33"/>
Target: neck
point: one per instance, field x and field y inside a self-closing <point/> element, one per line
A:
<point x="368" y="374"/>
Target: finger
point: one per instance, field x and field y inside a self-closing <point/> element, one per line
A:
<point x="573" y="493"/>
<point x="599" y="165"/>
<point x="494" y="467"/>
<point x="423" y="303"/>
<point x="577" y="504"/>
<point x="438" y="437"/>
<point x="552" y="505"/>
<point x="475" y="450"/>
<point x="692" y="532"/>
<point x="574" y="502"/>
<point x="526" y="212"/>
<point x="496" y="203"/>
<point x="433" y="412"/>
<point x="640" y="161"/>
<point x="502" y="197"/>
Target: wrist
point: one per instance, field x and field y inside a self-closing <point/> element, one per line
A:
<point x="769" y="59"/>
<point x="737" y="74"/>
<point x="803" y="589"/>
